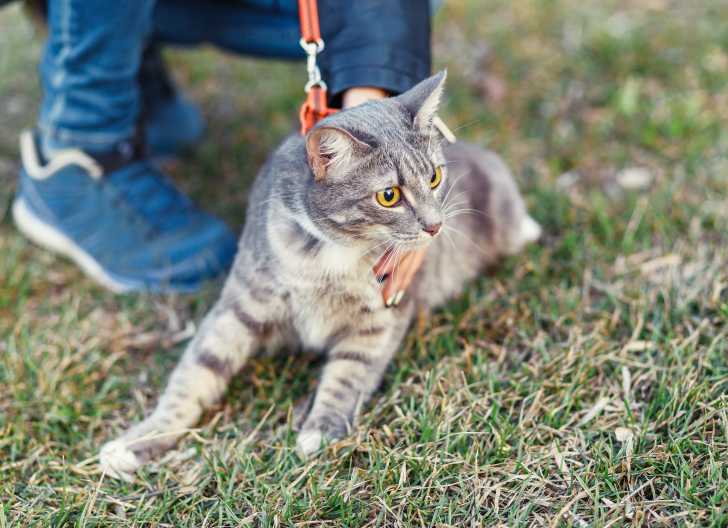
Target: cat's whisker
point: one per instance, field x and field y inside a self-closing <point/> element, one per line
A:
<point x="468" y="124"/>
<point x="458" y="212"/>
<point x="372" y="248"/>
<point x="451" y="213"/>
<point x="484" y="214"/>
<point x="450" y="197"/>
<point x="379" y="244"/>
<point x="467" y="238"/>
<point x="385" y="264"/>
<point x="452" y="242"/>
<point x="454" y="210"/>
<point x="391" y="260"/>
<point x="455" y="204"/>
<point x="399" y="253"/>
<point x="392" y="256"/>
<point x="452" y="186"/>
<point x="463" y="209"/>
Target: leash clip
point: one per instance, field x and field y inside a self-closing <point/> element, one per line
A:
<point x="312" y="49"/>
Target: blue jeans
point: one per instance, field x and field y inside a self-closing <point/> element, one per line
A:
<point x="89" y="69"/>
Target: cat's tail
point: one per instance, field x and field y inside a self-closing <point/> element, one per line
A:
<point x="529" y="231"/>
<point x="493" y="189"/>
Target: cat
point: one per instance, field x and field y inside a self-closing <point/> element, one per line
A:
<point x="370" y="180"/>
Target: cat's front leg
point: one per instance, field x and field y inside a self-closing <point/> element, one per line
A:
<point x="353" y="371"/>
<point x="229" y="334"/>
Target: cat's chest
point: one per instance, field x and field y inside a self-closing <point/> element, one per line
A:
<point x="320" y="313"/>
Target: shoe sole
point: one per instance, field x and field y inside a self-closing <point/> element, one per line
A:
<point x="50" y="238"/>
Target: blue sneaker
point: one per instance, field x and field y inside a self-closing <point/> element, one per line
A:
<point x="172" y="122"/>
<point x="119" y="219"/>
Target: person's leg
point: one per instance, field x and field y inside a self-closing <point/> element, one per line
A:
<point x="267" y="28"/>
<point x="263" y="28"/>
<point x="172" y="123"/>
<point x="89" y="72"/>
<point x="86" y="188"/>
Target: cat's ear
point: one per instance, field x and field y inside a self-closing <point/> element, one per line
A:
<point x="331" y="150"/>
<point x="423" y="99"/>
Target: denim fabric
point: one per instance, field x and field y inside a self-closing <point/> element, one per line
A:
<point x="264" y="28"/>
<point x="89" y="69"/>
<point x="89" y="72"/>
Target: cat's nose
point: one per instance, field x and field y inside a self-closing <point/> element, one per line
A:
<point x="433" y="229"/>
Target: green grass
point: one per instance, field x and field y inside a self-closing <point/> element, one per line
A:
<point x="584" y="383"/>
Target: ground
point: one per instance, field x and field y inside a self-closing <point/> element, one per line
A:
<point x="584" y="383"/>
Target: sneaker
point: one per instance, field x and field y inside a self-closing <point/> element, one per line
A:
<point x="119" y="219"/>
<point x="172" y="122"/>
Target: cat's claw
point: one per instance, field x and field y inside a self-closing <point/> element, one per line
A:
<point x="309" y="442"/>
<point x="118" y="461"/>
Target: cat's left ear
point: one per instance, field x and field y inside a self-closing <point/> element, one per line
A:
<point x="423" y="99"/>
<point x="332" y="151"/>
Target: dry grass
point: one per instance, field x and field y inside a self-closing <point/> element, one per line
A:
<point x="582" y="384"/>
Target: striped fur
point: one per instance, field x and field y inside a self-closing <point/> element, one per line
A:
<point x="306" y="255"/>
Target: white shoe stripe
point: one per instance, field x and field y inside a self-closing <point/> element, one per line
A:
<point x="31" y="161"/>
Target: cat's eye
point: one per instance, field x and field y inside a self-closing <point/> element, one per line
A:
<point x="389" y="197"/>
<point x="436" y="178"/>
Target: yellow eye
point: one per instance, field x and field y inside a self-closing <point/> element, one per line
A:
<point x="436" y="178"/>
<point x="389" y="197"/>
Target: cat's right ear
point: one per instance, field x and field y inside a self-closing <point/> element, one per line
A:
<point x="423" y="99"/>
<point x="332" y="150"/>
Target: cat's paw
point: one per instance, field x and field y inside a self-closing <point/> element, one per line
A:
<point x="309" y="442"/>
<point x="319" y="431"/>
<point x="122" y="457"/>
<point x="118" y="460"/>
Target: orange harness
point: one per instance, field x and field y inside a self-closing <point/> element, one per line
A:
<point x="315" y="107"/>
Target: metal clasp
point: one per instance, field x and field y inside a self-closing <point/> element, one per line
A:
<point x="312" y="49"/>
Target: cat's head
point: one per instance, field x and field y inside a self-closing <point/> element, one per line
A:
<point x="379" y="172"/>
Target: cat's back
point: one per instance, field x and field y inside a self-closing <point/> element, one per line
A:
<point x="277" y="185"/>
<point x="281" y="174"/>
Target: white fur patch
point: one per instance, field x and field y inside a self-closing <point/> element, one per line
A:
<point x="118" y="461"/>
<point x="337" y="260"/>
<point x="530" y="230"/>
<point x="309" y="442"/>
<point x="225" y="333"/>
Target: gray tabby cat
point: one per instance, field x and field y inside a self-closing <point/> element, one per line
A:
<point x="322" y="211"/>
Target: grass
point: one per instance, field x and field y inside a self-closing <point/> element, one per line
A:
<point x="584" y="383"/>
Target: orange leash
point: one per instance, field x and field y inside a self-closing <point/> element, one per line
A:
<point x="315" y="107"/>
